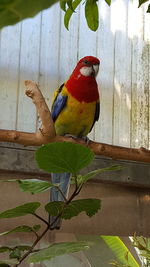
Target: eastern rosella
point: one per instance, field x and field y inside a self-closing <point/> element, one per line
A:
<point x="75" y="109"/>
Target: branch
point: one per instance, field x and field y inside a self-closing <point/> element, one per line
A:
<point x="119" y="152"/>
<point x="46" y="134"/>
<point x="47" y="130"/>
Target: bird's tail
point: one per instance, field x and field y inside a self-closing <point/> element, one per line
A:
<point x="63" y="179"/>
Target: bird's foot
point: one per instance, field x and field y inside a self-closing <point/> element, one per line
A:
<point x="86" y="139"/>
<point x="71" y="136"/>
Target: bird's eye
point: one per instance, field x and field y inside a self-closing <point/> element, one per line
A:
<point x="86" y="61"/>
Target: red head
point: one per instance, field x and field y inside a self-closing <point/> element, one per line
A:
<point x="82" y="84"/>
<point x="87" y="66"/>
<point x="90" y="59"/>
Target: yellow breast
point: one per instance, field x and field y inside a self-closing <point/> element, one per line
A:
<point x="76" y="118"/>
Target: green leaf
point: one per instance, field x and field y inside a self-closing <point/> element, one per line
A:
<point x="120" y="250"/>
<point x="89" y="206"/>
<point x="58" y="249"/>
<point x="12" y="11"/>
<point x="34" y="186"/>
<point x="78" y="178"/>
<point x="7" y="262"/>
<point x="4" y="249"/>
<point x="36" y="227"/>
<point x="54" y="208"/>
<point x="22" y="228"/>
<point x="23" y="247"/>
<point x="69" y="4"/>
<point x="86" y="177"/>
<point x="148" y="10"/>
<point x="142" y="2"/>
<point x="28" y="208"/>
<point x="15" y="254"/>
<point x="63" y="157"/>
<point x="108" y="2"/>
<point x="145" y="255"/>
<point x="63" y="5"/>
<point x="4" y="265"/>
<point x="69" y="13"/>
<point x="91" y="14"/>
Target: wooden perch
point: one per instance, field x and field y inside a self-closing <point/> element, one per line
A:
<point x="46" y="134"/>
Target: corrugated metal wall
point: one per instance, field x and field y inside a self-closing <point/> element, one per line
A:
<point x="42" y="49"/>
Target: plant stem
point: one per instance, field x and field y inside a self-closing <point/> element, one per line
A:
<point x="39" y="237"/>
<point x="65" y="199"/>
<point x="40" y="218"/>
<point x="33" y="246"/>
<point x="76" y="183"/>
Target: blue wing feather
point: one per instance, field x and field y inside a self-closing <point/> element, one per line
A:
<point x="59" y="104"/>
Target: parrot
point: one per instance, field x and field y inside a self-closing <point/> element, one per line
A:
<point x="75" y="109"/>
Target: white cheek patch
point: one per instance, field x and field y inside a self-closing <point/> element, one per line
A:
<point x="86" y="71"/>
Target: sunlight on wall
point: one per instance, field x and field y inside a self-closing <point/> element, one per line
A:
<point x="103" y="8"/>
<point x="117" y="87"/>
<point x="133" y="21"/>
<point x="118" y="15"/>
<point x="128" y="101"/>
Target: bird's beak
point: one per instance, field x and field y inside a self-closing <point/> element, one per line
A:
<point x="95" y="69"/>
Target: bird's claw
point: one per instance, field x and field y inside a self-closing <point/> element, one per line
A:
<point x="84" y="138"/>
<point x="71" y="136"/>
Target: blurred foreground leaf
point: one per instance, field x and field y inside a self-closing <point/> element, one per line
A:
<point x="121" y="252"/>
<point x="91" y="14"/>
<point x="63" y="157"/>
<point x="69" y="12"/>
<point x="12" y="11"/>
<point x="58" y="249"/>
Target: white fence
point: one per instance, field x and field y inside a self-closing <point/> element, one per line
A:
<point x="41" y="49"/>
